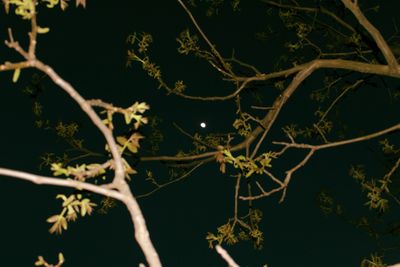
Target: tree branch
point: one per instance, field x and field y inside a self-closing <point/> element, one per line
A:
<point x="212" y="47"/>
<point x="225" y="255"/>
<point x="376" y="35"/>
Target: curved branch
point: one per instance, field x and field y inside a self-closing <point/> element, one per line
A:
<point x="170" y="182"/>
<point x="297" y="80"/>
<point x="224" y="254"/>
<point x="219" y="98"/>
<point x="361" y="67"/>
<point x="141" y="232"/>
<point x="306" y="70"/>
<point x="119" y="183"/>
<point x="46" y="180"/>
<point x="374" y="32"/>
<point x="86" y="107"/>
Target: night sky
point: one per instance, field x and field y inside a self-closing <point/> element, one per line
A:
<point x="87" y="47"/>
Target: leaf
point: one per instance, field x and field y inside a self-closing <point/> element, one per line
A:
<point x="141" y="107"/>
<point x="86" y="207"/>
<point x="61" y="257"/>
<point x="40" y="261"/>
<point x="133" y="144"/>
<point x="63" y="4"/>
<point x="83" y="210"/>
<point x="81" y="3"/>
<point x="67" y="201"/>
<point x="51" y="3"/>
<point x="121" y="140"/>
<point x="53" y="219"/>
<point x="16" y="74"/>
<point x="43" y="30"/>
<point x="127" y="118"/>
<point x="63" y="197"/>
<point x="64" y="223"/>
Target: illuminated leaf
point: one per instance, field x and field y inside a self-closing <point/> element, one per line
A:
<point x="40" y="261"/>
<point x="64" y="4"/>
<point x="53" y="218"/>
<point x="51" y="3"/>
<point x="81" y="3"/>
<point x="60" y="257"/>
<point x="16" y="74"/>
<point x="121" y="140"/>
<point x="43" y="30"/>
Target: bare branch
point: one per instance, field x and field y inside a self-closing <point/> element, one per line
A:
<point x="45" y="180"/>
<point x="161" y="186"/>
<point x="392" y="170"/>
<point x="240" y="88"/>
<point x="280" y="101"/>
<point x="224" y="254"/>
<point x="341" y="143"/>
<point x="348" y="88"/>
<point x="374" y="32"/>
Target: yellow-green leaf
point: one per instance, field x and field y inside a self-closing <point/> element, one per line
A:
<point x="40" y="261"/>
<point x="121" y="140"/>
<point x="16" y="74"/>
<point x="43" y="30"/>
<point x="132" y="148"/>
<point x="61" y="257"/>
<point x="64" y="223"/>
<point x="53" y="218"/>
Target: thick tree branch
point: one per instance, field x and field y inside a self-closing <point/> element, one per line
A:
<point x="225" y="255"/>
<point x="306" y="69"/>
<point x="45" y="180"/>
<point x="374" y="32"/>
<point x="119" y="183"/>
<point x="141" y="233"/>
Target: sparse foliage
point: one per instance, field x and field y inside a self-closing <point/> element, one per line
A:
<point x="348" y="57"/>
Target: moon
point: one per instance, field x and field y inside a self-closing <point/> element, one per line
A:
<point x="203" y="125"/>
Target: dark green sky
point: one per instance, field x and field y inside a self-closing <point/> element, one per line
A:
<point x="88" y="49"/>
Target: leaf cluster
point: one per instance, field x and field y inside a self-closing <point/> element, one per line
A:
<point x="73" y="206"/>
<point x="241" y="229"/>
<point x="247" y="165"/>
<point x="79" y="172"/>
<point x="26" y="9"/>
<point x="141" y="43"/>
<point x="327" y="204"/>
<point x="375" y="188"/>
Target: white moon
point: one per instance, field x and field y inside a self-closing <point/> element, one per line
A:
<point x="203" y="125"/>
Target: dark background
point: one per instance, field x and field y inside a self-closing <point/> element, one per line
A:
<point x="88" y="49"/>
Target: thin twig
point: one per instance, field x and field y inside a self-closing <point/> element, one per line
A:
<point x="348" y="88"/>
<point x="212" y="47"/>
<point x="314" y="10"/>
<point x="170" y="182"/>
